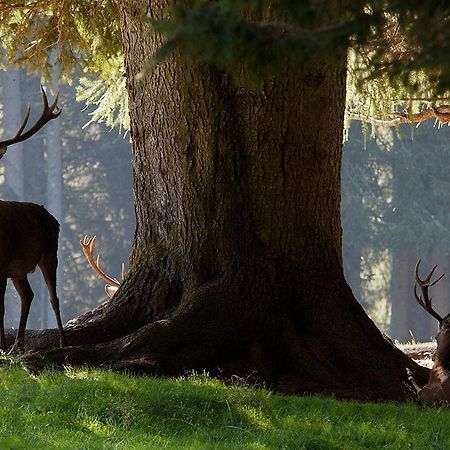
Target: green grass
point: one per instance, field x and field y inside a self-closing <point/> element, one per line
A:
<point x="91" y="409"/>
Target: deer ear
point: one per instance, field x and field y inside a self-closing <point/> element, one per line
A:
<point x="2" y="151"/>
<point x="445" y="325"/>
<point x="110" y="290"/>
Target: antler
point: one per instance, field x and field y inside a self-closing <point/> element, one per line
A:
<point x="88" y="246"/>
<point x="424" y="285"/>
<point x="48" y="113"/>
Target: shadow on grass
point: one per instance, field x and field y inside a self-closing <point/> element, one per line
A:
<point x="83" y="408"/>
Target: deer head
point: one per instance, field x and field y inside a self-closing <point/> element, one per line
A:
<point x="48" y="113"/>
<point x="438" y="387"/>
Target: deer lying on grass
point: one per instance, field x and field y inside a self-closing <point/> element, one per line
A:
<point x="28" y="238"/>
<point x="437" y="390"/>
<point x="88" y="246"/>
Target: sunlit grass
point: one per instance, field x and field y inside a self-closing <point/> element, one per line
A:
<point x="92" y="409"/>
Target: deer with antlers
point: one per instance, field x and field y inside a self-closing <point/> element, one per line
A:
<point x="28" y="238"/>
<point x="437" y="390"/>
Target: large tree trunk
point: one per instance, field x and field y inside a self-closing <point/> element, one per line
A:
<point x="237" y="255"/>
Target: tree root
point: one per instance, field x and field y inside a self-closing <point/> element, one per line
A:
<point x="120" y="316"/>
<point x="240" y="325"/>
<point x="96" y="354"/>
<point x="191" y="340"/>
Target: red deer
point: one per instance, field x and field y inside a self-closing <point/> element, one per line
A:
<point x="437" y="390"/>
<point x="28" y="238"/>
<point x="88" y="246"/>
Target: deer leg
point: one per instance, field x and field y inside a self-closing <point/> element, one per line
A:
<point x="48" y="268"/>
<point x="26" y="297"/>
<point x="413" y="381"/>
<point x="2" y="313"/>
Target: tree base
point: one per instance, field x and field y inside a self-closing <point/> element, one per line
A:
<point x="235" y="328"/>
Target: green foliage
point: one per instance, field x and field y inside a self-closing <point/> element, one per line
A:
<point x="250" y="40"/>
<point x="402" y="43"/>
<point x="399" y="49"/>
<point x="43" y="33"/>
<point x="83" y="408"/>
<point x="109" y="96"/>
<point x="418" y="40"/>
<point x="72" y="36"/>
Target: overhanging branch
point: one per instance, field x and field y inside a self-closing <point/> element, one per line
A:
<point x="441" y="114"/>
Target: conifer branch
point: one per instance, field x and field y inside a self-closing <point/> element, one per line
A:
<point x="441" y="114"/>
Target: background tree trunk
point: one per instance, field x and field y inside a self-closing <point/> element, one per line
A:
<point x="14" y="167"/>
<point x="55" y="207"/>
<point x="12" y="119"/>
<point x="237" y="253"/>
<point x="402" y="299"/>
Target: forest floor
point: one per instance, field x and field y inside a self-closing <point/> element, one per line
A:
<point x="93" y="409"/>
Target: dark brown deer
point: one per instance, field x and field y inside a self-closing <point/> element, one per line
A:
<point x="28" y="238"/>
<point x="88" y="246"/>
<point x="437" y="390"/>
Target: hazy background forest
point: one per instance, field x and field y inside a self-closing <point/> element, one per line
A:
<point x="394" y="203"/>
<point x="81" y="172"/>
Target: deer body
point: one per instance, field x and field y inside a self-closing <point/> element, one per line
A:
<point x="437" y="390"/>
<point x="28" y="238"/>
<point x="28" y="232"/>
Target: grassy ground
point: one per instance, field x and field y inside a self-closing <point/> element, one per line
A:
<point x="89" y="409"/>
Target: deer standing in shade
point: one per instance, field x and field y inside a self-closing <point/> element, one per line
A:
<point x="28" y="238"/>
<point x="437" y="390"/>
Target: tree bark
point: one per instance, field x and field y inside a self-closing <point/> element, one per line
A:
<point x="352" y="270"/>
<point x="237" y="261"/>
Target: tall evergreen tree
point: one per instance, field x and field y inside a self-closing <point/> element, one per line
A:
<point x="237" y="252"/>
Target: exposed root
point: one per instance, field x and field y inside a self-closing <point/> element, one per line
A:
<point x="120" y="316"/>
<point x="242" y="324"/>
<point x="100" y="354"/>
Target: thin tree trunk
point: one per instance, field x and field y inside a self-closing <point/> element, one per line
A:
<point x="12" y="118"/>
<point x="14" y="166"/>
<point x="54" y="204"/>
<point x="403" y="306"/>
<point x="401" y="295"/>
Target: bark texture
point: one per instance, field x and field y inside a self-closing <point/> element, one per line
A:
<point x="237" y="255"/>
